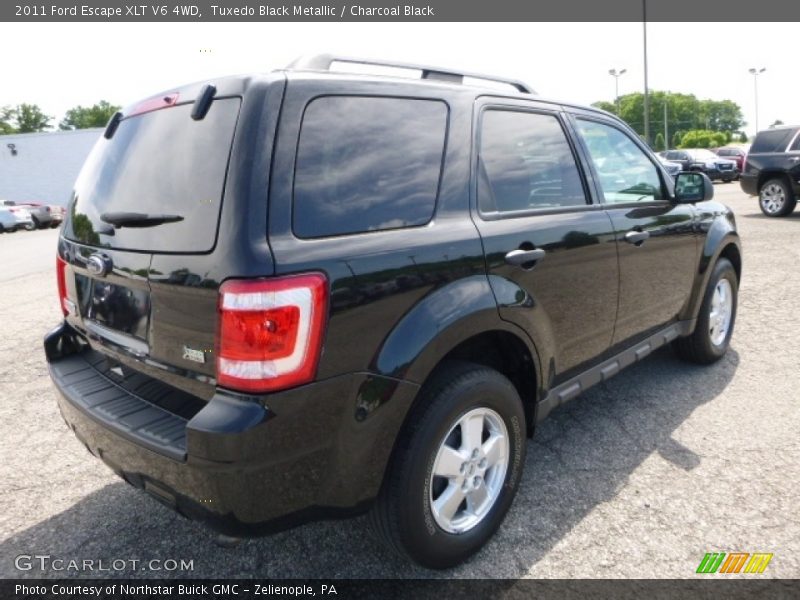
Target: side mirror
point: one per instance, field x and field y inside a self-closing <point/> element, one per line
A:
<point x="693" y="187"/>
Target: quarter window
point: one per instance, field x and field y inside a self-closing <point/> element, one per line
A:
<point x="526" y="163"/>
<point x="626" y="173"/>
<point x="796" y="145"/>
<point x="366" y="164"/>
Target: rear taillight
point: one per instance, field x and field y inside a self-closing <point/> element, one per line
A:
<point x="61" y="280"/>
<point x="270" y="331"/>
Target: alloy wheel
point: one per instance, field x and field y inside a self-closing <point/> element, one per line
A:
<point x="469" y="470"/>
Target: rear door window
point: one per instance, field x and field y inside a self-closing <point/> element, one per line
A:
<point x="367" y="164"/>
<point x="772" y="141"/>
<point x="526" y="163"/>
<point x="158" y="163"/>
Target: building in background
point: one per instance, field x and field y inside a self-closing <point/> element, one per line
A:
<point x="41" y="167"/>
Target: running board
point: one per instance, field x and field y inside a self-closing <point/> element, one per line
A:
<point x="607" y="369"/>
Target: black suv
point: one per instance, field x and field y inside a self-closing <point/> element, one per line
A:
<point x="311" y="294"/>
<point x="772" y="170"/>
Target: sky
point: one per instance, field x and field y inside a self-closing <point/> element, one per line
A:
<point x="61" y="65"/>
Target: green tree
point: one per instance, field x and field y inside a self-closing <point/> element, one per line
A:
<point x="703" y="138"/>
<point x="30" y="118"/>
<point x="676" y="139"/>
<point x="777" y="123"/>
<point x="81" y="117"/>
<point x="684" y="112"/>
<point x="606" y="106"/>
<point x="743" y="138"/>
<point x="6" y="118"/>
<point x="658" y="144"/>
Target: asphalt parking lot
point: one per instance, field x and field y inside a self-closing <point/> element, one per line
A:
<point x="638" y="478"/>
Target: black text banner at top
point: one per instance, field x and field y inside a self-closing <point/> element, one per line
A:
<point x="404" y="10"/>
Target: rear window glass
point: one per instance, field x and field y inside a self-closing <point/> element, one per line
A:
<point x="772" y="141"/>
<point x="158" y="163"/>
<point x="366" y="164"/>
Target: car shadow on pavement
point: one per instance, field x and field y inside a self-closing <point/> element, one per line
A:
<point x="795" y="216"/>
<point x="582" y="456"/>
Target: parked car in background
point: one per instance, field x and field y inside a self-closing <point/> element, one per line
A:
<point x="704" y="161"/>
<point x="734" y="153"/>
<point x="57" y="214"/>
<point x="13" y="218"/>
<point x="672" y="167"/>
<point x="8" y="222"/>
<point x="772" y="170"/>
<point x="40" y="213"/>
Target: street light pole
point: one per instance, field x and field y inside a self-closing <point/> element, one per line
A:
<point x="646" y="92"/>
<point x="755" y="73"/>
<point x="616" y="75"/>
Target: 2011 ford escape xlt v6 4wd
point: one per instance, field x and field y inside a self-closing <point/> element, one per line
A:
<point x="311" y="293"/>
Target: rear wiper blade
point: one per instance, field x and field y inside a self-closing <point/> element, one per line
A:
<point x="131" y="219"/>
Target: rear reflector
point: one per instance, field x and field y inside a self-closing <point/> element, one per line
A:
<point x="270" y="331"/>
<point x="61" y="280"/>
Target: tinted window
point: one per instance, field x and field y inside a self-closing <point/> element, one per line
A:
<point x="796" y="145"/>
<point x="626" y="173"/>
<point x="161" y="162"/>
<point x="365" y="164"/>
<point x="775" y="140"/>
<point x="526" y="163"/>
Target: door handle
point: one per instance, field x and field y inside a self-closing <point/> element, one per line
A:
<point x="637" y="238"/>
<point x="522" y="257"/>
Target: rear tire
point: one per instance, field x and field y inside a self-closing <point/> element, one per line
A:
<point x="712" y="333"/>
<point x="442" y="499"/>
<point x="775" y="198"/>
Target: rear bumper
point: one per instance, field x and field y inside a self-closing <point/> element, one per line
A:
<point x="749" y="184"/>
<point x="244" y="465"/>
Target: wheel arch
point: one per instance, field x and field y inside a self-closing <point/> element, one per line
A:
<point x="721" y="241"/>
<point x="767" y="175"/>
<point x="460" y="321"/>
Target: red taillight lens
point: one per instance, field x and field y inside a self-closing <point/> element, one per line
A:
<point x="61" y="280"/>
<point x="152" y="104"/>
<point x="270" y="331"/>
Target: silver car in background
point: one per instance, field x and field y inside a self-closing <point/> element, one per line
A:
<point x="39" y="213"/>
<point x="13" y="218"/>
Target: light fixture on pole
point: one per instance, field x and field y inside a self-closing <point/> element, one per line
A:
<point x="755" y="73"/>
<point x="616" y="74"/>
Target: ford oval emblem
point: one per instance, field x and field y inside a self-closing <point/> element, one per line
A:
<point x="98" y="265"/>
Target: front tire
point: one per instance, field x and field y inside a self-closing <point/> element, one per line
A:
<point x="776" y="199"/>
<point x="455" y="468"/>
<point x="714" y="328"/>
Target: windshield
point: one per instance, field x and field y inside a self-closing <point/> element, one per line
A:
<point x="161" y="162"/>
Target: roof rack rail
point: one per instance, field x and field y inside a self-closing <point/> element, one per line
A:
<point x="323" y="62"/>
